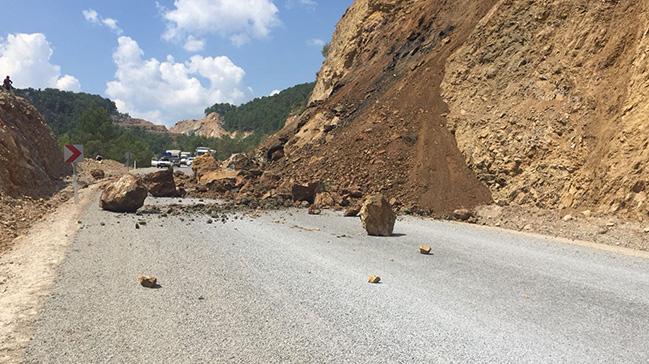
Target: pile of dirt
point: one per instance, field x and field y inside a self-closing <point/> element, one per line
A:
<point x="31" y="168"/>
<point x="111" y="170"/>
<point x="375" y="119"/>
<point x="31" y="163"/>
<point x="445" y="105"/>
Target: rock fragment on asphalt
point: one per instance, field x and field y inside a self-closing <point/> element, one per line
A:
<point x="374" y="279"/>
<point x="425" y="249"/>
<point x="148" y="281"/>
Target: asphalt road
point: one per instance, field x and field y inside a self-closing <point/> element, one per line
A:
<point x="186" y="170"/>
<point x="289" y="287"/>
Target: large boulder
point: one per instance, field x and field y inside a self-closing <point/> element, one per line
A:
<point x="239" y="162"/>
<point x="222" y="185"/>
<point x="306" y="192"/>
<point x="377" y="216"/>
<point x="125" y="195"/>
<point x="204" y="165"/>
<point x="161" y="183"/>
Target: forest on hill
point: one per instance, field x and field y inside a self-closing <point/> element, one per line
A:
<point x="266" y="114"/>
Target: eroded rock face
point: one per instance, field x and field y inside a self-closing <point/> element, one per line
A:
<point x="377" y="216"/>
<point x="161" y="184"/>
<point x="125" y="195"/>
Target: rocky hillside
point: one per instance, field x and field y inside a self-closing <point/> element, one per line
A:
<point x="549" y="103"/>
<point x="210" y="127"/>
<point x="30" y="160"/>
<point x="453" y="104"/>
<point x="126" y="122"/>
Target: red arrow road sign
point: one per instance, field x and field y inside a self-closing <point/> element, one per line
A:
<point x="72" y="153"/>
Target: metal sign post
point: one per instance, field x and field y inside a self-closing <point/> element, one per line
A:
<point x="72" y="154"/>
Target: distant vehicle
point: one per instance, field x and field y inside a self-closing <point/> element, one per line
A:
<point x="204" y="150"/>
<point x="163" y="162"/>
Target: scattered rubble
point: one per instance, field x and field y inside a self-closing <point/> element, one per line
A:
<point x="98" y="174"/>
<point x="125" y="195"/>
<point x="352" y="211"/>
<point x="377" y="216"/>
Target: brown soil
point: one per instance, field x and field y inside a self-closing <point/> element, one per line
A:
<point x="31" y="163"/>
<point x="17" y="215"/>
<point x="452" y="104"/>
<point x="548" y="102"/>
<point x="383" y="108"/>
<point x="112" y="169"/>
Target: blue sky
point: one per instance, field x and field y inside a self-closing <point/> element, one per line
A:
<point x="170" y="59"/>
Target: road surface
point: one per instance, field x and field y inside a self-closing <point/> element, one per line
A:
<point x="289" y="287"/>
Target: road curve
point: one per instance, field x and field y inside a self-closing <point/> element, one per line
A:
<point x="289" y="287"/>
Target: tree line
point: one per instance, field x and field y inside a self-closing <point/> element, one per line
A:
<point x="82" y="118"/>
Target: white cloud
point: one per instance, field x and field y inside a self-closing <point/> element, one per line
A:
<point x="168" y="91"/>
<point x="93" y="17"/>
<point x="274" y="92"/>
<point x="26" y="58"/>
<point x="316" y="42"/>
<point x="310" y="4"/>
<point x="194" y="45"/>
<point x="238" y="20"/>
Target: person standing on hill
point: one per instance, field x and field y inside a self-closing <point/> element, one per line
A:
<point x="8" y="84"/>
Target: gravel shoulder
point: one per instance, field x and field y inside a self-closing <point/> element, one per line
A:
<point x="27" y="273"/>
<point x="289" y="287"/>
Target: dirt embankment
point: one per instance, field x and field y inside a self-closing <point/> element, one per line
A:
<point x="455" y="104"/>
<point x="31" y="167"/>
<point x="375" y="119"/>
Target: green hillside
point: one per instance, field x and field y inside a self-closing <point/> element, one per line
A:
<point x="62" y="109"/>
<point x="264" y="115"/>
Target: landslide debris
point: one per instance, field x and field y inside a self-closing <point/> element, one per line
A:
<point x="375" y="120"/>
<point x="31" y="167"/>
